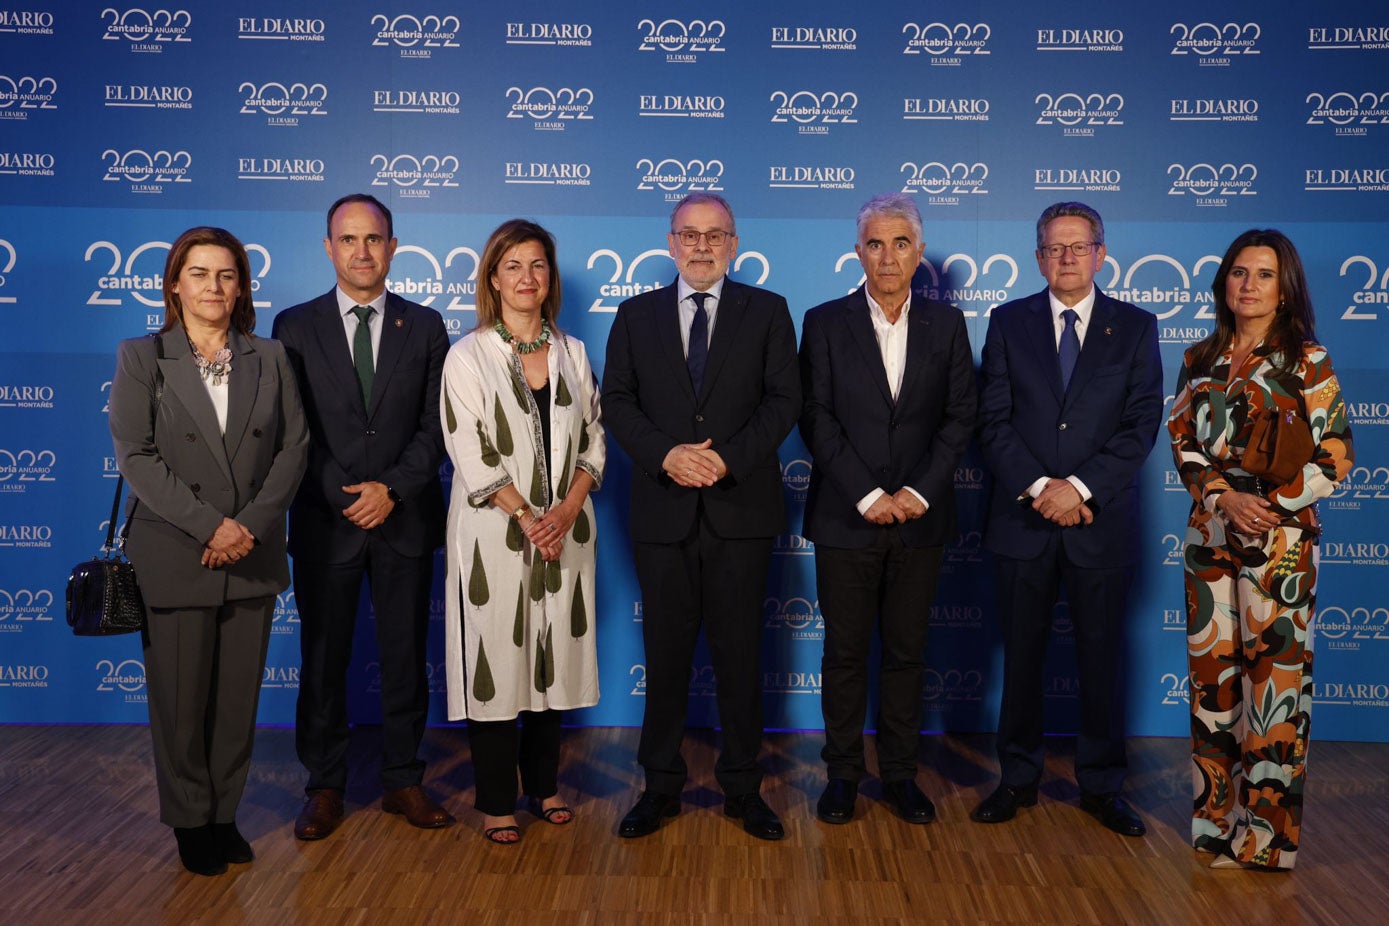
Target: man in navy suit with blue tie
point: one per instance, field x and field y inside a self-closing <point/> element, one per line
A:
<point x="1070" y="406"/>
<point x="890" y="401"/>
<point x="370" y="507"/>
<point x="700" y="388"/>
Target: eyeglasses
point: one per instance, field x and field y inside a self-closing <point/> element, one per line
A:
<point x="1079" y="249"/>
<point x="689" y="237"/>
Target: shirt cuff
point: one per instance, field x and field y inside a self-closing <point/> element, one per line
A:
<point x="1085" y="495"/>
<point x="924" y="504"/>
<point x="867" y="501"/>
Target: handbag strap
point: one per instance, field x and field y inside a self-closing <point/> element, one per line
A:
<point x="154" y="418"/>
<point x="115" y="512"/>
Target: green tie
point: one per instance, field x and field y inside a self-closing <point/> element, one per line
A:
<point x="361" y="351"/>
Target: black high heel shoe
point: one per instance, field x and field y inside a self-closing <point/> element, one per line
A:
<point x="198" y="851"/>
<point x="231" y="844"/>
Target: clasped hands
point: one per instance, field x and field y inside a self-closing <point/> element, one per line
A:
<point x="1247" y="513"/>
<point x="1060" y="503"/>
<point x="372" y="507"/>
<point x="897" y="508"/>
<point x="228" y="544"/>
<point x="547" y="531"/>
<point x="694" y="466"/>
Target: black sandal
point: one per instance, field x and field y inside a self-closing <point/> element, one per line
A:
<point x="492" y="832"/>
<point x="549" y="815"/>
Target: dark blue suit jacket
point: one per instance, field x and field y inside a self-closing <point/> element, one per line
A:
<point x="398" y="441"/>
<point x="1100" y="430"/>
<point x="861" y="440"/>
<point x="749" y="402"/>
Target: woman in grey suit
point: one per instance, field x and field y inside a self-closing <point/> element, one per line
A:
<point x="210" y="434"/>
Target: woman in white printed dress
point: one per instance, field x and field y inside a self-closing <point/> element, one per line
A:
<point x="523" y="428"/>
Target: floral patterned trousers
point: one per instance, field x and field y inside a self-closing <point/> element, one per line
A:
<point x="1250" y="608"/>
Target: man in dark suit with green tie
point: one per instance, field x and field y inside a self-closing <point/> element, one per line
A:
<point x="369" y="365"/>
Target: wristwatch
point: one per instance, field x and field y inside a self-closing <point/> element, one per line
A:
<point x="394" y="496"/>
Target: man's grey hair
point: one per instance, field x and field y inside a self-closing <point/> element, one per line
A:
<point x="894" y="206"/>
<point x="694" y="199"/>
<point x="1058" y="210"/>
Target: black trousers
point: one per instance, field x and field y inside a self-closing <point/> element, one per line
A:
<point x="499" y="748"/>
<point x="1098" y="598"/>
<point x="203" y="669"/>
<point x="889" y="586"/>
<point x="327" y="595"/>
<point x="716" y="584"/>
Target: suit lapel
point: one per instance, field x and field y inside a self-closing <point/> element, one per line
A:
<point x="734" y="298"/>
<point x="242" y="388"/>
<point x="860" y="324"/>
<point x="332" y="342"/>
<point x="395" y="329"/>
<point x="1041" y="334"/>
<point x="667" y="323"/>
<point x="183" y="385"/>
<point x="918" y="348"/>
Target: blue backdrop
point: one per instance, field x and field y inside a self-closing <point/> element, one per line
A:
<point x="120" y="127"/>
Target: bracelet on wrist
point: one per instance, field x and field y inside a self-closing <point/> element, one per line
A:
<point x="521" y="509"/>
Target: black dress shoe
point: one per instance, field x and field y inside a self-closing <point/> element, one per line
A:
<point x="197" y="850"/>
<point x="758" y="819"/>
<point x="1003" y="804"/>
<point x="233" y="846"/>
<point x="1114" y="812"/>
<point x="908" y="801"/>
<point x="836" y="805"/>
<point x="645" y="817"/>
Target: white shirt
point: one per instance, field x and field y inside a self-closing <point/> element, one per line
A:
<point x="1083" y="309"/>
<point x="218" y="394"/>
<point x="349" y="321"/>
<point x="892" y="345"/>
<point x="686" y="307"/>
<point x="892" y="341"/>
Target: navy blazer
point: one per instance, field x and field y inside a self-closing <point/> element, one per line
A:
<point x="749" y="402"/>
<point x="188" y="474"/>
<point x="397" y="441"/>
<point x="861" y="440"/>
<point x="1100" y="429"/>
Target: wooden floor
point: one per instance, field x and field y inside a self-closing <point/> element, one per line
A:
<point x="80" y="843"/>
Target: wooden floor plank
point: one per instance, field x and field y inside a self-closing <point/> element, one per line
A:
<point x="82" y="843"/>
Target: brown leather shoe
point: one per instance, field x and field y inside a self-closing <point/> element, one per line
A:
<point x="321" y="814"/>
<point x="419" y="808"/>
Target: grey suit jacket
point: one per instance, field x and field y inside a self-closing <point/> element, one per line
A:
<point x="187" y="475"/>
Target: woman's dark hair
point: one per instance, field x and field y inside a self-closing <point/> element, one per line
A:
<point x="1294" y="323"/>
<point x="243" y="317"/>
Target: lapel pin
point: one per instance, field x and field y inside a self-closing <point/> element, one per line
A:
<point x="1106" y="331"/>
<point x="401" y="324"/>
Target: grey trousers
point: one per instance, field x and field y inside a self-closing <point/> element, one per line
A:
<point x="203" y="670"/>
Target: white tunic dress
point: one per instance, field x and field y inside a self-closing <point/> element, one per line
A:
<point x="519" y="633"/>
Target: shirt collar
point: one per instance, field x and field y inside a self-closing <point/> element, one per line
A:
<point x="684" y="289"/>
<point x="346" y="303"/>
<point x="1083" y="308"/>
<point x="876" y="312"/>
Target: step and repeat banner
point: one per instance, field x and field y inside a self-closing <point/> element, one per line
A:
<point x="122" y="125"/>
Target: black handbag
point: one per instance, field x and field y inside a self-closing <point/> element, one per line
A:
<point x="103" y="595"/>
